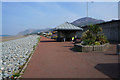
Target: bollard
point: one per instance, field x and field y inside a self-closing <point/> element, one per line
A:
<point x="118" y="49"/>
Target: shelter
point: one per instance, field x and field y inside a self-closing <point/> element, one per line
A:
<point x="66" y="31"/>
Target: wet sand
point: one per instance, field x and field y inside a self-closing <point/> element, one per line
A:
<point x="3" y="39"/>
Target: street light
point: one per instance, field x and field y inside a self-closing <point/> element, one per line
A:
<point x="87" y="7"/>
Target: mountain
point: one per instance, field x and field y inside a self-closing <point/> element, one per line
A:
<point x="31" y="31"/>
<point x="86" y="21"/>
<point x="28" y="31"/>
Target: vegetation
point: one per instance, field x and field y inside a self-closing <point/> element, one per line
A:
<point x="49" y="34"/>
<point x="93" y="36"/>
<point x="15" y="75"/>
<point x="54" y="37"/>
<point x="38" y="39"/>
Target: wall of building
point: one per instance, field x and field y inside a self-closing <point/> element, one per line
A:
<point x="119" y="32"/>
<point x="111" y="30"/>
<point x="79" y="34"/>
<point x="68" y="34"/>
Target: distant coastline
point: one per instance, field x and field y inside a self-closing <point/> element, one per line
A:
<point x="4" y="38"/>
<point x="5" y="35"/>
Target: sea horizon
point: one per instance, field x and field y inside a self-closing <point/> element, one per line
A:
<point x="4" y="35"/>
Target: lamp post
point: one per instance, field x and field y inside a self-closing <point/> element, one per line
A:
<point x="87" y="8"/>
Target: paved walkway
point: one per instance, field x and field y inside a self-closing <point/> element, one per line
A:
<point x="56" y="60"/>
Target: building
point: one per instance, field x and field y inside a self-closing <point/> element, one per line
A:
<point x="66" y="31"/>
<point x="111" y="30"/>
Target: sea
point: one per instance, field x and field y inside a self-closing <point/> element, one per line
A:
<point x="5" y="35"/>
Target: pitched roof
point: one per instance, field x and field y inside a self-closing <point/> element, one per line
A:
<point x="67" y="26"/>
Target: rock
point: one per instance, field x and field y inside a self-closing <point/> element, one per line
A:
<point x="15" y="52"/>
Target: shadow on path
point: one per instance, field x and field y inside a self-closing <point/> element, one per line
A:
<point x="73" y="49"/>
<point x="110" y="69"/>
<point x="48" y="41"/>
<point x="68" y="46"/>
<point x="111" y="54"/>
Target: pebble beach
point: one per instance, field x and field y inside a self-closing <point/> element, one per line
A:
<point x="14" y="54"/>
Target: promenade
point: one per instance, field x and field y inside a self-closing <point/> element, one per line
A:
<point x="57" y="60"/>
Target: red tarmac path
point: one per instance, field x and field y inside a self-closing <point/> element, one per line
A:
<point x="56" y="60"/>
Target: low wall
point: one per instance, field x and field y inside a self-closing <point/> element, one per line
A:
<point x="87" y="48"/>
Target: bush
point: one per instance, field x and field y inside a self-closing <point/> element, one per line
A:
<point x="15" y="75"/>
<point x="54" y="37"/>
<point x="102" y="39"/>
<point x="93" y="36"/>
<point x="85" y="42"/>
<point x="38" y="39"/>
<point x="97" y="43"/>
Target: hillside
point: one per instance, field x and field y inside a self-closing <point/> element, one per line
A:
<point x="79" y="22"/>
<point x="86" y="21"/>
<point x="31" y="31"/>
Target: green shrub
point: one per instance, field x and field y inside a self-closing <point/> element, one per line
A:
<point x="85" y="42"/>
<point x="84" y="36"/>
<point x="38" y="39"/>
<point x="95" y="29"/>
<point x="91" y="41"/>
<point x="93" y="36"/>
<point x="16" y="75"/>
<point x="97" y="43"/>
<point x="54" y="37"/>
<point x="102" y="39"/>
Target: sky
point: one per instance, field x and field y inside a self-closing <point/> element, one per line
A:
<point x="19" y="16"/>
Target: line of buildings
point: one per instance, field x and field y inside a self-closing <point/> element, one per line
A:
<point x="67" y="30"/>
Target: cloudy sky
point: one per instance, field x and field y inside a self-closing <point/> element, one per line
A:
<point x="18" y="16"/>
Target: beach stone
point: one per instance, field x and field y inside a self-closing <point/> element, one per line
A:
<point x="14" y="53"/>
